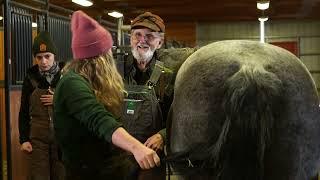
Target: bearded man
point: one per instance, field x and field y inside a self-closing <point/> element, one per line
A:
<point x="147" y="36"/>
<point x="149" y="73"/>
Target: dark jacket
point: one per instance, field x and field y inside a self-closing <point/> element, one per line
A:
<point x="33" y="73"/>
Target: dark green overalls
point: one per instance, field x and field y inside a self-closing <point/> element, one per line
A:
<point x="44" y="162"/>
<point x="149" y="97"/>
<point x="142" y="114"/>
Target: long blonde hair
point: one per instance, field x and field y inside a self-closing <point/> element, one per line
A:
<point x="104" y="78"/>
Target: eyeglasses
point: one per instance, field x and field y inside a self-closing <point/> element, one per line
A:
<point x="149" y="37"/>
<point x="46" y="56"/>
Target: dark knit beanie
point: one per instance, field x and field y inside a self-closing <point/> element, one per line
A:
<point x="43" y="43"/>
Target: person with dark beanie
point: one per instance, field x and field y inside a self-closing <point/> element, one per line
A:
<point x="35" y="116"/>
<point x="88" y="101"/>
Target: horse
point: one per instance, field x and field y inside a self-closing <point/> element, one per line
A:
<point x="244" y="110"/>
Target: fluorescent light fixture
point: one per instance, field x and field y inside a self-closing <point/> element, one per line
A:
<point x="85" y="3"/>
<point x="34" y="25"/>
<point x="262" y="5"/>
<point x="115" y="14"/>
<point x="1" y="18"/>
<point x="262" y="32"/>
<point x="263" y="19"/>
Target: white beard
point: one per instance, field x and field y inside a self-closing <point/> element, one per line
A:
<point x="142" y="57"/>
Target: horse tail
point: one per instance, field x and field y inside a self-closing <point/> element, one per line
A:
<point x="250" y="102"/>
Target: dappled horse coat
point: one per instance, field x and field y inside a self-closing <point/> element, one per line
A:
<point x="244" y="110"/>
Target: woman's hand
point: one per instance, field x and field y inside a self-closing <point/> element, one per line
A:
<point x="26" y="147"/>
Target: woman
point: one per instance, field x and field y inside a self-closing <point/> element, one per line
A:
<point x="35" y="116"/>
<point x="87" y="102"/>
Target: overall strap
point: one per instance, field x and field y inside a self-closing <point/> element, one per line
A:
<point x="161" y="76"/>
<point x="34" y="83"/>
<point x="156" y="73"/>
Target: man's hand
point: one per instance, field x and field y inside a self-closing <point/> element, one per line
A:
<point x="155" y="142"/>
<point x="26" y="147"/>
<point x="47" y="99"/>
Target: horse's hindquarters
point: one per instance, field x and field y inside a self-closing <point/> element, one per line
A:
<point x="245" y="99"/>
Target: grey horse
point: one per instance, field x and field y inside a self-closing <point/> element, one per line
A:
<point x="244" y="110"/>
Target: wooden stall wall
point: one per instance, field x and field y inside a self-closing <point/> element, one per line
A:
<point x="1" y="59"/>
<point x="3" y="135"/>
<point x="19" y="159"/>
<point x="14" y="110"/>
<point x="182" y="32"/>
<point x="2" y="112"/>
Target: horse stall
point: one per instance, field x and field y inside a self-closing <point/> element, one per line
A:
<point x="23" y="23"/>
<point x="244" y="110"/>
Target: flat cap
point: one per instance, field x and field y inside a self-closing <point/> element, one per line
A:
<point x="148" y="20"/>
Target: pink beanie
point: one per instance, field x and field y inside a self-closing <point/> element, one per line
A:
<point x="89" y="39"/>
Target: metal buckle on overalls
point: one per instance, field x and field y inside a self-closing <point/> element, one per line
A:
<point x="155" y="75"/>
<point x="150" y="84"/>
<point x="190" y="163"/>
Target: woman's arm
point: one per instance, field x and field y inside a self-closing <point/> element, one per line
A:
<point x="146" y="157"/>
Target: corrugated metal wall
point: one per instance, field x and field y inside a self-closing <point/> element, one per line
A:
<point x="306" y="33"/>
<point x="59" y="29"/>
<point x="210" y="32"/>
<point x="21" y="28"/>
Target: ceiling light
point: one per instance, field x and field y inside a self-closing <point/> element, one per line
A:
<point x="1" y="18"/>
<point x="262" y="5"/>
<point x="34" y="25"/>
<point x="262" y="31"/>
<point x="115" y="14"/>
<point x="263" y="18"/>
<point x="85" y="3"/>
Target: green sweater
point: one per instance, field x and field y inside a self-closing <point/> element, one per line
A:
<point x="83" y="126"/>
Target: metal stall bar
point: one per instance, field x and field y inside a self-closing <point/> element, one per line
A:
<point x="7" y="63"/>
<point x="13" y="28"/>
<point x="27" y="7"/>
<point x="26" y="59"/>
<point x="41" y="22"/>
<point x="39" y="1"/>
<point x="59" y="29"/>
<point x="68" y="11"/>
<point x="46" y="14"/>
<point x="22" y="43"/>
